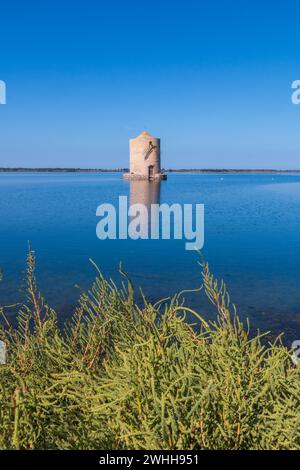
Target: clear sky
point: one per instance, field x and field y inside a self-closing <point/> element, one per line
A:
<point x="211" y="78"/>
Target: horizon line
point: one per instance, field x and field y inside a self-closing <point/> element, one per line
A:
<point x="169" y="170"/>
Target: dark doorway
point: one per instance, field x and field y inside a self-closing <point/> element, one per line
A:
<point x="151" y="172"/>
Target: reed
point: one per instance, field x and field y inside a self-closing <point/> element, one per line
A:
<point x="124" y="376"/>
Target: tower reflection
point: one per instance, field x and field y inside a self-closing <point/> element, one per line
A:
<point x="147" y="193"/>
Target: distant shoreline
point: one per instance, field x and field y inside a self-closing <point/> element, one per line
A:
<point x="125" y="170"/>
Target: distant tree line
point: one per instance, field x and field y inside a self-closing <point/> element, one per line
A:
<point x="68" y="170"/>
<point x="227" y="170"/>
<point x="124" y="170"/>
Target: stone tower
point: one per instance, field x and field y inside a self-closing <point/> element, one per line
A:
<point x="145" y="158"/>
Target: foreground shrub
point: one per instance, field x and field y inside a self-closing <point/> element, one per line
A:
<point x="122" y="376"/>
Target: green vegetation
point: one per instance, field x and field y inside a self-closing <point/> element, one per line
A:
<point x="120" y="376"/>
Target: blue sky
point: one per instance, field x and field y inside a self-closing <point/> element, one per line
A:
<point x="212" y="79"/>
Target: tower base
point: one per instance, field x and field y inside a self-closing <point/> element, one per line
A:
<point x="156" y="177"/>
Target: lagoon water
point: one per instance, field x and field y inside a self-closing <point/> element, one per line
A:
<point x="252" y="227"/>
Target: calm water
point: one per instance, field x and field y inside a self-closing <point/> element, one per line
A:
<point x="252" y="227"/>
